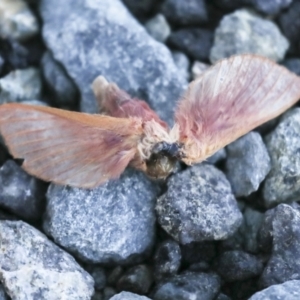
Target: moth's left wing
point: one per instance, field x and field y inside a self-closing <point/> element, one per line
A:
<point x="231" y="98"/>
<point x="77" y="149"/>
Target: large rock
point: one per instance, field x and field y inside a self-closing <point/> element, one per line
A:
<point x="283" y="182"/>
<point x="97" y="37"/>
<point x="114" y="223"/>
<point x="197" y="204"/>
<point x="32" y="267"/>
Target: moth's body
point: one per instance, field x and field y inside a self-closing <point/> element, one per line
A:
<point x="83" y="150"/>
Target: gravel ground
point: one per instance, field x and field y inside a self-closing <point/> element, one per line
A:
<point x="228" y="228"/>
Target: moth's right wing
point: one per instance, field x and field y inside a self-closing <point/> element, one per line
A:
<point x="72" y="148"/>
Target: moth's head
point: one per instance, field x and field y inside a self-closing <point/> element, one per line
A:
<point x="163" y="159"/>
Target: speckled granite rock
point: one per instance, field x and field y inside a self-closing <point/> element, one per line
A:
<point x="197" y="206"/>
<point x="247" y="164"/>
<point x="21" y="193"/>
<point x="281" y="231"/>
<point x="283" y="182"/>
<point x="114" y="223"/>
<point x="245" y="32"/>
<point x="128" y="296"/>
<point x="101" y="37"/>
<point x="32" y="267"/>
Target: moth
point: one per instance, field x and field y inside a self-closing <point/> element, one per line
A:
<point x="85" y="150"/>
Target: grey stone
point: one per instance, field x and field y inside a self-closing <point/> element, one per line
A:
<point x="35" y="102"/>
<point x="238" y="265"/>
<point x="222" y="297"/>
<point x="197" y="204"/>
<point x="141" y="8"/>
<point x="283" y="182"/>
<point x="138" y="279"/>
<point x="21" y="193"/>
<point x="158" y="28"/>
<point x="281" y="231"/>
<point x="288" y="290"/>
<point x="3" y="295"/>
<point x="20" y="85"/>
<point x="108" y="293"/>
<point x="289" y="21"/>
<point x="270" y="7"/>
<point x="247" y="164"/>
<point x="128" y="296"/>
<point x="198" y="68"/>
<point x="183" y="63"/>
<point x="293" y="64"/>
<point x="102" y="38"/>
<point x="192" y="12"/>
<point x="219" y="155"/>
<point x="32" y="267"/>
<point x="245" y="32"/>
<point x="17" y="21"/>
<point x="198" y="252"/>
<point x="58" y="81"/>
<point x="167" y="259"/>
<point x="196" y="42"/>
<point x="189" y="286"/>
<point x="98" y="274"/>
<point x="114" y="223"/>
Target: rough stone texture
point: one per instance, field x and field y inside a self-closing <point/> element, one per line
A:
<point x="137" y="279"/>
<point x="167" y="259"/>
<point x="128" y="296"/>
<point x="17" y="21"/>
<point x="183" y="64"/>
<point x="58" y="82"/>
<point x="293" y="64"/>
<point x="244" y="32"/>
<point x="289" y="290"/>
<point x="198" y="206"/>
<point x="247" y="164"/>
<point x="283" y="182"/>
<point x="289" y="21"/>
<point x="196" y="42"/>
<point x="238" y="265"/>
<point x="21" y="193"/>
<point x="20" y="85"/>
<point x="114" y="223"/>
<point x="100" y="37"/>
<point x="158" y="28"/>
<point x="190" y="12"/>
<point x="32" y="267"/>
<point x="189" y="286"/>
<point x="281" y="231"/>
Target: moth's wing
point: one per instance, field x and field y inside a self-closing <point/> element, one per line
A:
<point x="117" y="103"/>
<point x="231" y="98"/>
<point x="77" y="149"/>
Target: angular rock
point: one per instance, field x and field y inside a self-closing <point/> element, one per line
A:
<point x="215" y="158"/>
<point x="33" y="267"/>
<point x="167" y="259"/>
<point x="238" y="265"/>
<point x="247" y="164"/>
<point x="17" y="21"/>
<point x="189" y="286"/>
<point x="58" y="82"/>
<point x="21" y="193"/>
<point x="293" y="64"/>
<point x="128" y="296"/>
<point x="192" y="12"/>
<point x="245" y="32"/>
<point x="289" y="21"/>
<point x="198" y="206"/>
<point x="114" y="223"/>
<point x="183" y="63"/>
<point x="158" y="28"/>
<point x="283" y="182"/>
<point x="20" y="85"/>
<point x="281" y="231"/>
<point x="288" y="290"/>
<point x="110" y="42"/>
<point x="98" y="274"/>
<point x="196" y="42"/>
<point x="270" y="7"/>
<point x="137" y="279"/>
